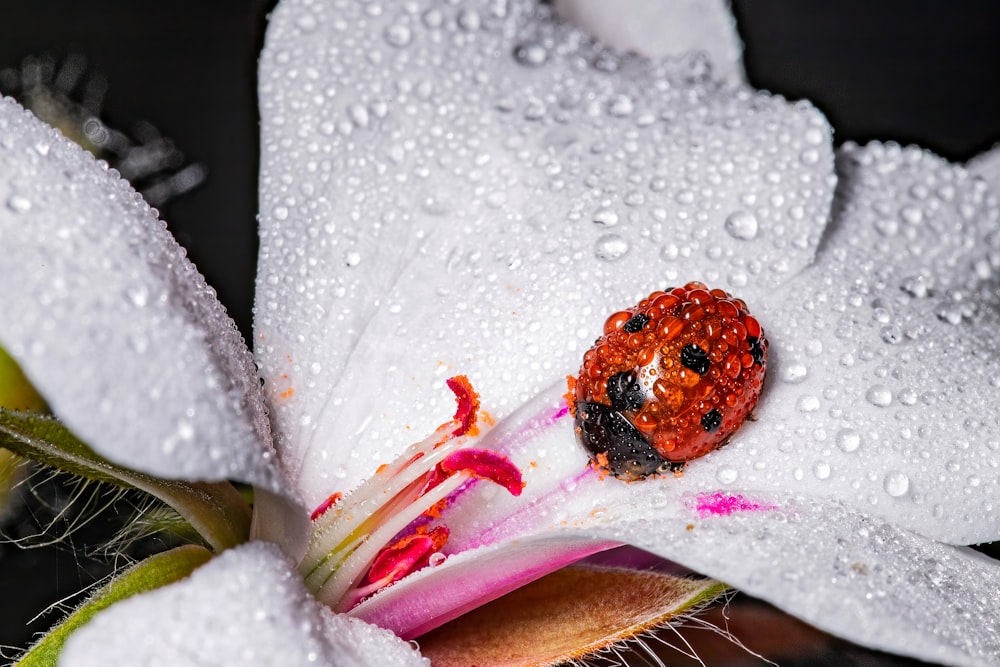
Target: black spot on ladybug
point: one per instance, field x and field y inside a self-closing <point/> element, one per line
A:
<point x="711" y="420"/>
<point x="695" y="358"/>
<point x="636" y="323"/>
<point x="604" y="430"/>
<point x="756" y="350"/>
<point x="625" y="391"/>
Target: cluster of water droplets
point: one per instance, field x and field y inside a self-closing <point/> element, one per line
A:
<point x="518" y="183"/>
<point x="893" y="401"/>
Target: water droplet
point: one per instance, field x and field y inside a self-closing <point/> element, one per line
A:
<point x="918" y="287"/>
<point x="436" y="559"/>
<point x="279" y="212"/>
<point x="742" y="225"/>
<point x="611" y="247"/>
<point x="879" y="395"/>
<point x="886" y="226"/>
<point x="621" y="105"/>
<point x="19" y="204"/>
<point x="606" y="217"/>
<point x="306" y="23"/>
<point x="352" y="258"/>
<point x="821" y="470"/>
<point x="907" y="396"/>
<point x="138" y="295"/>
<point x="896" y="484"/>
<point x="807" y="403"/>
<point x="727" y="474"/>
<point x="531" y="54"/>
<point x="911" y="215"/>
<point x="848" y="439"/>
<point x="468" y="19"/>
<point x="794" y="373"/>
<point x="398" y="35"/>
<point x="891" y="334"/>
<point x="433" y="18"/>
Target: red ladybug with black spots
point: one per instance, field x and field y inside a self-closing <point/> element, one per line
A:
<point x="670" y="380"/>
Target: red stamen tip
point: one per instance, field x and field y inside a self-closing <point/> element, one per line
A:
<point x="325" y="505"/>
<point x="485" y="464"/>
<point x="468" y="404"/>
<point x="407" y="554"/>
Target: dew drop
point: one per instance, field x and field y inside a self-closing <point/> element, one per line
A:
<point x="611" y="247"/>
<point x="742" y="225"/>
<point x="848" y="440"/>
<point x="896" y="484"/>
<point x="794" y="373"/>
<point x="531" y="54"/>
<point x="879" y="395"/>
<point x="621" y="105"/>
<point x="807" y="403"/>
<point x="19" y="204"/>
<point x="279" y="212"/>
<point x="606" y="217"/>
<point x="821" y="470"/>
<point x="727" y="474"/>
<point x="398" y="35"/>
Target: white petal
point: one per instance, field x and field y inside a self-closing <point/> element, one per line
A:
<point x="663" y="28"/>
<point x="113" y="325"/>
<point x="987" y="165"/>
<point x="434" y="202"/>
<point x="850" y="574"/>
<point x="885" y="363"/>
<point x="246" y="607"/>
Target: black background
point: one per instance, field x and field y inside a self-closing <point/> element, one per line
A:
<point x="913" y="71"/>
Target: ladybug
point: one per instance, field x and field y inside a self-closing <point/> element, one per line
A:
<point x="671" y="379"/>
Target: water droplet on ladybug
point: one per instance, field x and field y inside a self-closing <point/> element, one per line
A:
<point x="670" y="380"/>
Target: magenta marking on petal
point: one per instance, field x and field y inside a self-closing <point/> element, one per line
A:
<point x="559" y="414"/>
<point x="724" y="504"/>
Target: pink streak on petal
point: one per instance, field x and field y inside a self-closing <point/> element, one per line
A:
<point x="433" y="596"/>
<point x="485" y="464"/>
<point x="559" y="414"/>
<point x="724" y="504"/>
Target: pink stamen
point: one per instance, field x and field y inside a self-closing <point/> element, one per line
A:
<point x="468" y="404"/>
<point x="325" y="505"/>
<point x="724" y="504"/>
<point x="484" y="464"/>
<point x="406" y="555"/>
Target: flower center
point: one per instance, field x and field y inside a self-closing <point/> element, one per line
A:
<point x="390" y="525"/>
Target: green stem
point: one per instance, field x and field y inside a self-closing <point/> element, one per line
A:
<point x="154" y="572"/>
<point x="215" y="510"/>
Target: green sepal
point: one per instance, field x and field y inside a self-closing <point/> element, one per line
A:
<point x="153" y="572"/>
<point x="215" y="510"/>
<point x="16" y="392"/>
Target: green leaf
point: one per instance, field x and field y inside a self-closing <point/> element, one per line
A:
<point x="154" y="572"/>
<point x="215" y="510"/>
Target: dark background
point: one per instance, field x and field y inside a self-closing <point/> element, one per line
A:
<point x="913" y="71"/>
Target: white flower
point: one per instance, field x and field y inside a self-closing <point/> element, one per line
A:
<point x="471" y="190"/>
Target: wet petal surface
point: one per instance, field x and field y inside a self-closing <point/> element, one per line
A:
<point x="111" y="322"/>
<point x="247" y="606"/>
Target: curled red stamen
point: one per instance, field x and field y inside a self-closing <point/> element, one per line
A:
<point x="407" y="555"/>
<point x="468" y="404"/>
<point x="484" y="464"/>
<point x="325" y="505"/>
